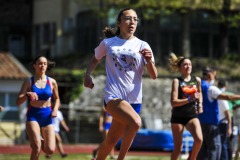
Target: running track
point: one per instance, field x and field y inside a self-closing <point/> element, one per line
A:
<point x="75" y="149"/>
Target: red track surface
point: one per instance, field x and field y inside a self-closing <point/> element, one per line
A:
<point x="79" y="148"/>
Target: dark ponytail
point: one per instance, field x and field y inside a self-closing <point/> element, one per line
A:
<point x="109" y="32"/>
<point x="50" y="64"/>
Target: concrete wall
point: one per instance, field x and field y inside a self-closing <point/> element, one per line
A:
<point x="10" y="85"/>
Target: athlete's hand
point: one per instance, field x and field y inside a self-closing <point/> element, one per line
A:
<point x="147" y="54"/>
<point x="67" y="129"/>
<point x="32" y="95"/>
<point x="88" y="81"/>
<point x="197" y="95"/>
<point x="54" y="113"/>
<point x="101" y="128"/>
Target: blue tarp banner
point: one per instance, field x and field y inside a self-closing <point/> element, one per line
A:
<point x="158" y="140"/>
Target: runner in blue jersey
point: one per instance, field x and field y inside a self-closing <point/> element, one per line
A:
<point x="39" y="90"/>
<point x="209" y="119"/>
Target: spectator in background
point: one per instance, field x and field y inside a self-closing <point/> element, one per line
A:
<point x="209" y="119"/>
<point x="225" y="125"/>
<point x="237" y="123"/>
<point x="232" y="140"/>
<point x="186" y="100"/>
<point x="56" y="122"/>
<point x="105" y="121"/>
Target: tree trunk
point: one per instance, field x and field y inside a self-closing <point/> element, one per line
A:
<point x="157" y="52"/>
<point x="186" y="35"/>
<point x="224" y="39"/>
<point x="224" y="28"/>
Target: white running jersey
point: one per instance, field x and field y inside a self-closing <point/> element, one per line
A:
<point x="124" y="68"/>
<point x="222" y="107"/>
<point x="57" y="120"/>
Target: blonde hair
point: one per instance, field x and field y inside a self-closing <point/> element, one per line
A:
<point x="175" y="62"/>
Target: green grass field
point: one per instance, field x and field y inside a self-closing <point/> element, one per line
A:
<point x="75" y="157"/>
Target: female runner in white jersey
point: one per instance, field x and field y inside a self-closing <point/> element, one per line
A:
<point x="126" y="56"/>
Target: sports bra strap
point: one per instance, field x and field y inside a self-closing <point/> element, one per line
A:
<point x="48" y="81"/>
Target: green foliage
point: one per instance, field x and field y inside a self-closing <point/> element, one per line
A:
<point x="78" y="76"/>
<point x="227" y="66"/>
<point x="230" y="65"/>
<point x="231" y="58"/>
<point x="234" y="20"/>
<point x="151" y="8"/>
<point x="70" y="82"/>
<point x="79" y="156"/>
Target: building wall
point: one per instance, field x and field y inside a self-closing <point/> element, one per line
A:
<point x="15" y="27"/>
<point x="12" y="114"/>
<point x="10" y="85"/>
<point x="47" y="11"/>
<point x="61" y="15"/>
<point x="9" y="90"/>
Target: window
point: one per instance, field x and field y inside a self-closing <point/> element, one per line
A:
<point x="44" y="37"/>
<point x="2" y="99"/>
<point x="68" y="25"/>
<point x="46" y="34"/>
<point x="16" y="45"/>
<point x="11" y="111"/>
<point x="9" y="100"/>
<point x="12" y="99"/>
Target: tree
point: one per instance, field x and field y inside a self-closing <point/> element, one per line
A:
<point x="225" y="13"/>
